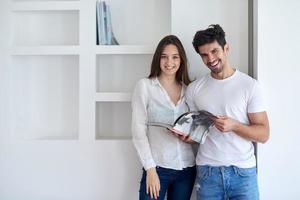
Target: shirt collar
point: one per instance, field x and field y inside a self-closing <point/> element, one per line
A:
<point x="155" y="81"/>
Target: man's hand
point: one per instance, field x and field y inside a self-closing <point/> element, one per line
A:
<point x="152" y="183"/>
<point x="256" y="131"/>
<point x="225" y="124"/>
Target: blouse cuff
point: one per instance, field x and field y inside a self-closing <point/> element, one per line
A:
<point x="149" y="164"/>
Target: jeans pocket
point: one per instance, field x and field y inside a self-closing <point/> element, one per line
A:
<point x="202" y="172"/>
<point x="246" y="172"/>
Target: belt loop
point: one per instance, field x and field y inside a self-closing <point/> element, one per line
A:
<point x="235" y="169"/>
<point x="209" y="170"/>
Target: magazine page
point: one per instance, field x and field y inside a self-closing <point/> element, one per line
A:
<point x="199" y="134"/>
<point x="184" y="124"/>
<point x="195" y="124"/>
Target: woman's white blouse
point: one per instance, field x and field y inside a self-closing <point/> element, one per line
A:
<point x="156" y="146"/>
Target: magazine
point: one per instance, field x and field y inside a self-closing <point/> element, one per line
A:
<point x="105" y="34"/>
<point x="193" y="124"/>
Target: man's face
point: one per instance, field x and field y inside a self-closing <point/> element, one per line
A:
<point x="214" y="57"/>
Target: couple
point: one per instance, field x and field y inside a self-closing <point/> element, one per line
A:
<point x="225" y="163"/>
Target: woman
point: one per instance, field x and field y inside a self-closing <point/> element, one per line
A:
<point x="168" y="162"/>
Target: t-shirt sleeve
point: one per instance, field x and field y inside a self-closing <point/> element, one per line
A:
<point x="189" y="97"/>
<point x="256" y="100"/>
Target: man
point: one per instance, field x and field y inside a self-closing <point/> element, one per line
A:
<point x="226" y="163"/>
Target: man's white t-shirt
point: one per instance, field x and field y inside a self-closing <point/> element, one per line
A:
<point x="235" y="97"/>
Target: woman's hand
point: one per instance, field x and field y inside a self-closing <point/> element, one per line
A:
<point x="186" y="139"/>
<point x="152" y="183"/>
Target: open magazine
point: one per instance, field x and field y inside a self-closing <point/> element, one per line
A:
<point x="194" y="124"/>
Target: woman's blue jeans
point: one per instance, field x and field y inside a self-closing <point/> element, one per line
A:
<point x="223" y="183"/>
<point x="178" y="184"/>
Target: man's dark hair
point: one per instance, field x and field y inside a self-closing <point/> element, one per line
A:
<point x="214" y="32"/>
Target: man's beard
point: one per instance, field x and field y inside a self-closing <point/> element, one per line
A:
<point x="216" y="70"/>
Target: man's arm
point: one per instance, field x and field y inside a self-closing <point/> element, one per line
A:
<point x="257" y="131"/>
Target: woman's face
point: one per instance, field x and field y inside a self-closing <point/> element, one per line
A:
<point x="169" y="60"/>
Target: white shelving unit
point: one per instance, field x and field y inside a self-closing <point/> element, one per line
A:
<point x="118" y="68"/>
<point x="44" y="5"/>
<point x="124" y="49"/>
<point x="45" y="55"/>
<point x="51" y="37"/>
<point x="44" y="50"/>
<point x="113" y="97"/>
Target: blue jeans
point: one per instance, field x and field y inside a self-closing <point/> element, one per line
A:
<point x="223" y="183"/>
<point x="178" y="184"/>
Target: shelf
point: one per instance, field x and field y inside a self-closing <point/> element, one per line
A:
<point x="46" y="97"/>
<point x="45" y="28"/>
<point x="120" y="138"/>
<point x="113" y="97"/>
<point x="136" y="22"/>
<point x="113" y="120"/>
<point x="46" y="136"/>
<point x="44" y="50"/>
<point x="124" y="49"/>
<point x="48" y="5"/>
<point x="119" y="73"/>
<point x="74" y="49"/>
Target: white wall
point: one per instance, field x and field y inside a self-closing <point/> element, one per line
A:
<point x="4" y="83"/>
<point x="278" y="69"/>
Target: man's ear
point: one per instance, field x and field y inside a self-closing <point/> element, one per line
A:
<point x="226" y="48"/>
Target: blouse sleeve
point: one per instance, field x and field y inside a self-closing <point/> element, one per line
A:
<point x="139" y="124"/>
